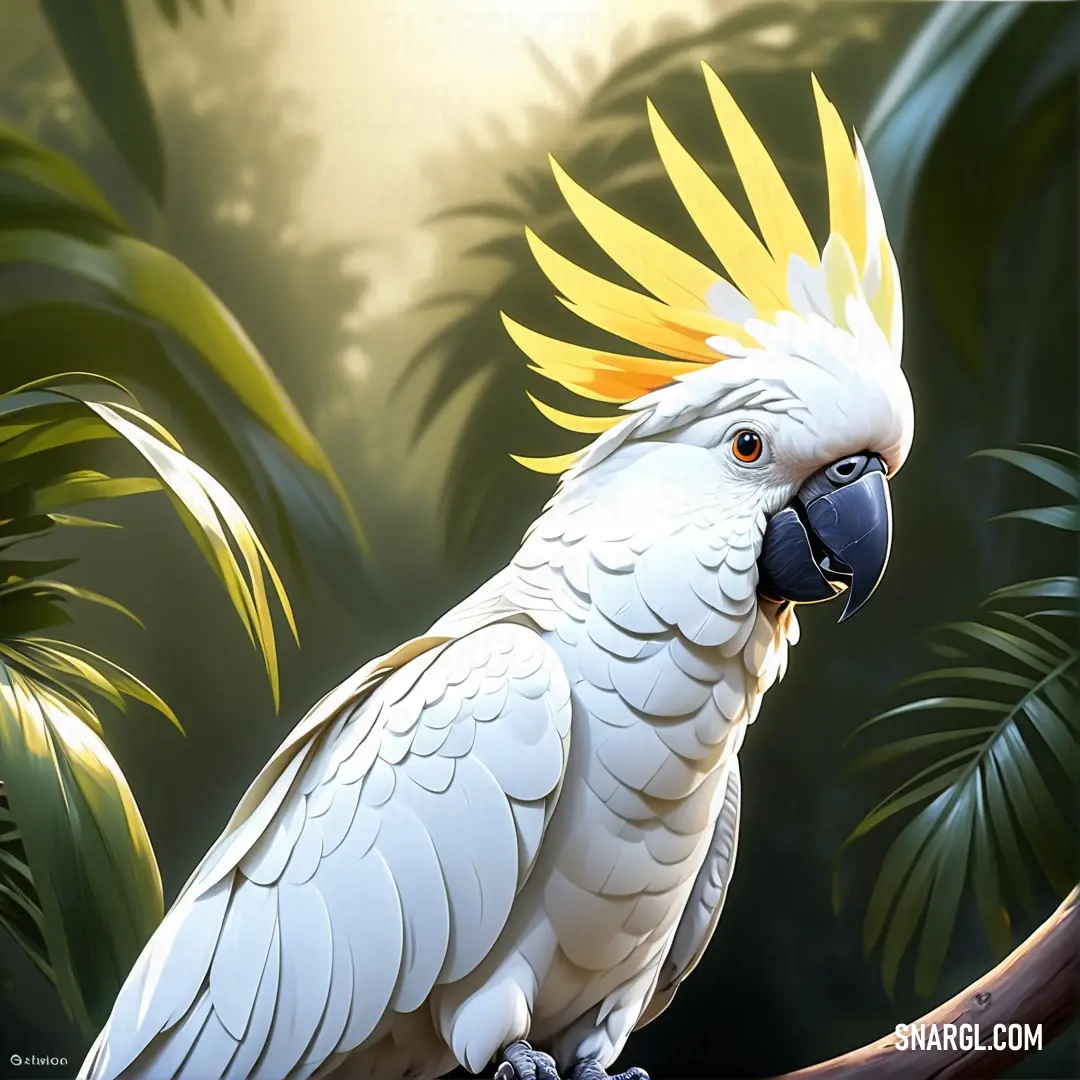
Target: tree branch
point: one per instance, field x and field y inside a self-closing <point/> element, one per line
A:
<point x="1038" y="983"/>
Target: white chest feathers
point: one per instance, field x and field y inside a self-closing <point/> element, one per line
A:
<point x="647" y="580"/>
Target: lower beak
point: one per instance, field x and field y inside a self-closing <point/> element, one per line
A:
<point x="835" y="534"/>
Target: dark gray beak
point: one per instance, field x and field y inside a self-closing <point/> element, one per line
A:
<point x="835" y="534"/>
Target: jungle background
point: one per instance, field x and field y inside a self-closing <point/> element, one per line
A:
<point x="317" y="159"/>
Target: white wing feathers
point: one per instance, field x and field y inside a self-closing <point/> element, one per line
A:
<point x="376" y="855"/>
<point x="702" y="912"/>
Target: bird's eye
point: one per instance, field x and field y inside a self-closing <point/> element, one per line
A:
<point x="746" y="446"/>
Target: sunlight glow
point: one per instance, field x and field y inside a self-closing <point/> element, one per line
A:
<point x="392" y="81"/>
<point x="555" y="21"/>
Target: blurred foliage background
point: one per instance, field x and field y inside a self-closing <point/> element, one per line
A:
<point x="352" y="180"/>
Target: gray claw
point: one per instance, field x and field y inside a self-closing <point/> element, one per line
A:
<point x="588" y="1069"/>
<point x="522" y="1062"/>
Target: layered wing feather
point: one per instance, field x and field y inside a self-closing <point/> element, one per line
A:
<point x="702" y="912"/>
<point x="377" y="855"/>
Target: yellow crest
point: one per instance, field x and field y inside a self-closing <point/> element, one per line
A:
<point x="694" y="314"/>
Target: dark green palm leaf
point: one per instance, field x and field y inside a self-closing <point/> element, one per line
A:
<point x="98" y="45"/>
<point x="921" y="94"/>
<point x="1058" y="588"/>
<point x="1041" y="466"/>
<point x="980" y="113"/>
<point x="995" y="806"/>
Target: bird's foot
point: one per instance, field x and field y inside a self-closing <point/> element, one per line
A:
<point x="522" y="1062"/>
<point x="589" y="1069"/>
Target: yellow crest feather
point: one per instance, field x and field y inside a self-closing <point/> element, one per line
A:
<point x="585" y="425"/>
<point x="778" y="217"/>
<point x="847" y="201"/>
<point x="552" y="466"/>
<point x="692" y="306"/>
<point x="753" y="270"/>
<point x="668" y="273"/>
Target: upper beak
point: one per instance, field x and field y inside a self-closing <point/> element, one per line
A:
<point x="835" y="533"/>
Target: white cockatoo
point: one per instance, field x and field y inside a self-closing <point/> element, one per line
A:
<point x="522" y="825"/>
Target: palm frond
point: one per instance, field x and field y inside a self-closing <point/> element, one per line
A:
<point x="921" y="94"/>
<point x="98" y="45"/>
<point x="20" y="910"/>
<point x="115" y="89"/>
<point x="981" y="111"/>
<point x="41" y="425"/>
<point x="213" y="518"/>
<point x="135" y="314"/>
<point x="79" y="885"/>
<point x="992" y="808"/>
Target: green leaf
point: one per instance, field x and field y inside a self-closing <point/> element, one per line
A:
<point x="48" y="436"/>
<point x="975" y="802"/>
<point x="120" y="679"/>
<point x="1029" y="627"/>
<point x="55" y="173"/>
<point x="909" y="862"/>
<point x="1034" y="809"/>
<point x="926" y="704"/>
<point x="914" y="790"/>
<point x="86" y="846"/>
<point x="19" y="656"/>
<point x="946" y="652"/>
<point x="30" y="612"/>
<point x="904" y="922"/>
<point x="951" y="866"/>
<point x="1057" y="517"/>
<point x="99" y="48"/>
<point x="20" y="914"/>
<point x="894" y="872"/>
<point x="1016" y="647"/>
<point x="1053" y="451"/>
<point x="208" y="510"/>
<point x="48" y="587"/>
<point x="1005" y="835"/>
<point x="286" y="502"/>
<point x="920" y="96"/>
<point x="984" y="876"/>
<point x="161" y="287"/>
<point x="1055" y="733"/>
<point x="1050" y="818"/>
<point x="77" y="489"/>
<point x="1064" y="700"/>
<point x="72" y="521"/>
<point x="1064" y="479"/>
<point x="890" y="751"/>
<point x="1064" y="587"/>
<point x="25" y="569"/>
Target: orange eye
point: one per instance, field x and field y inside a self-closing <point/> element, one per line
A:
<point x="746" y="446"/>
